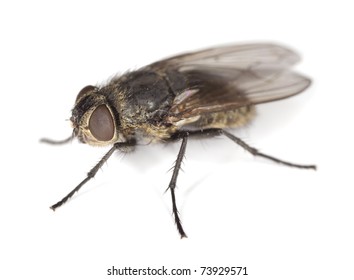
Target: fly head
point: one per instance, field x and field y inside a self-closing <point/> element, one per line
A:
<point x="93" y="119"/>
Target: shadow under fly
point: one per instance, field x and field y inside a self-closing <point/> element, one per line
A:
<point x="197" y="94"/>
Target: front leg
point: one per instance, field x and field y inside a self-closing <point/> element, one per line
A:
<point x="57" y="142"/>
<point x="93" y="171"/>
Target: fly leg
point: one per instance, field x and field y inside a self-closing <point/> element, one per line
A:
<point x="57" y="142"/>
<point x="92" y="172"/>
<point x="255" y="152"/>
<point x="210" y="132"/>
<point x="207" y="133"/>
<point x="172" y="185"/>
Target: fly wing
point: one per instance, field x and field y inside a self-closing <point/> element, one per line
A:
<point x="242" y="56"/>
<point x="230" y="77"/>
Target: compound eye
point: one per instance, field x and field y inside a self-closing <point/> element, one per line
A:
<point x="101" y="124"/>
<point x="85" y="90"/>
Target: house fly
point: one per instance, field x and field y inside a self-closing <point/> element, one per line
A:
<point x="197" y="94"/>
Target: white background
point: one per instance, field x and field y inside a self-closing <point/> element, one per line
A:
<point x="237" y="210"/>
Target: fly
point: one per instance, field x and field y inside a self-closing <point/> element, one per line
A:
<point x="198" y="94"/>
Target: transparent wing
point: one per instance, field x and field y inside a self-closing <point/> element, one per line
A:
<point x="241" y="56"/>
<point x="230" y="77"/>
